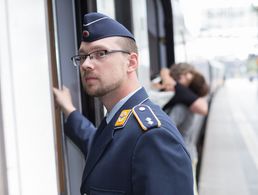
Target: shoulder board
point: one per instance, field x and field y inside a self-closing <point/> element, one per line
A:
<point x="146" y="117"/>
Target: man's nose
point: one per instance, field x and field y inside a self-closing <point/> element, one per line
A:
<point x="87" y="64"/>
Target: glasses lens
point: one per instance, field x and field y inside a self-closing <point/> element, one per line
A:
<point x="100" y="54"/>
<point x="76" y="60"/>
<point x="81" y="59"/>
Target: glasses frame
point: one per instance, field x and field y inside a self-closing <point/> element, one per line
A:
<point x="94" y="56"/>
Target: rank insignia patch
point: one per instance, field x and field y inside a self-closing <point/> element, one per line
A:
<point x="123" y="118"/>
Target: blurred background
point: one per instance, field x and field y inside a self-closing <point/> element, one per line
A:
<point x="225" y="31"/>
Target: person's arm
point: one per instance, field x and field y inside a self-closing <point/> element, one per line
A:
<point x="200" y="106"/>
<point x="164" y="73"/>
<point x="78" y="128"/>
<point x="187" y="97"/>
<point x="168" y="82"/>
<point x="64" y="100"/>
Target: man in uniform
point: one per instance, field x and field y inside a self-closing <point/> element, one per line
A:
<point x="136" y="150"/>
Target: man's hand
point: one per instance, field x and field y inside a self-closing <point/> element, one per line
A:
<point x="64" y="99"/>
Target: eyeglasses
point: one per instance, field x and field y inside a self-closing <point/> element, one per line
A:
<point x="96" y="55"/>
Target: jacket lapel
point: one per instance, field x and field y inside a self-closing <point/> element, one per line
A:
<point x="102" y="138"/>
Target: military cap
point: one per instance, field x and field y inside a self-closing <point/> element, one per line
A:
<point x="98" y="26"/>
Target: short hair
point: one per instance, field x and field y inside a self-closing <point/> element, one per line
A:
<point x="127" y="44"/>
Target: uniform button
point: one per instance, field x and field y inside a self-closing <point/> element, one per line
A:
<point x="141" y="108"/>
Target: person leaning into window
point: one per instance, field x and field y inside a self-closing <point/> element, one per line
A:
<point x="136" y="149"/>
<point x="189" y="86"/>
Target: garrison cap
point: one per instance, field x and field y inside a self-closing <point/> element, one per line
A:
<point x="98" y="26"/>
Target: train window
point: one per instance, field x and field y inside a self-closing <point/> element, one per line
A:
<point x="117" y="9"/>
<point x="155" y="36"/>
<point x="123" y="11"/>
<point x="139" y="29"/>
<point x="160" y="31"/>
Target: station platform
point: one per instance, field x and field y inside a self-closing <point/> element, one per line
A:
<point x="230" y="155"/>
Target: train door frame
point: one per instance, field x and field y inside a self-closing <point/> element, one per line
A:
<point x="58" y="119"/>
<point x="70" y="161"/>
<point x="26" y="111"/>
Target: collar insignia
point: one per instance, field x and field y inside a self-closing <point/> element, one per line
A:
<point x="123" y="118"/>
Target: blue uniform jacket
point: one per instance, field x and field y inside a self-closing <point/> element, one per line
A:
<point x="130" y="160"/>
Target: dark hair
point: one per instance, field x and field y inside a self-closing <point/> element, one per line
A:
<point x="198" y="84"/>
<point x="176" y="70"/>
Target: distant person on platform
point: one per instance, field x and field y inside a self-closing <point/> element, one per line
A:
<point x="189" y="86"/>
<point x="136" y="150"/>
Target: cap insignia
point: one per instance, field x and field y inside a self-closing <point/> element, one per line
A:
<point x="85" y="33"/>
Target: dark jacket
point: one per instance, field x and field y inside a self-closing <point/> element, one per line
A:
<point x="130" y="160"/>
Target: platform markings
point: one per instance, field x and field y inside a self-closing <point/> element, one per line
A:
<point x="248" y="134"/>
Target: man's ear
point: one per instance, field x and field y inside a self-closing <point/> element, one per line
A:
<point x="133" y="62"/>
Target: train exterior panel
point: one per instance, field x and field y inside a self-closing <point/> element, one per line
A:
<point x="27" y="109"/>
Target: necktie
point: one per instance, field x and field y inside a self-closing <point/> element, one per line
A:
<point x="102" y="125"/>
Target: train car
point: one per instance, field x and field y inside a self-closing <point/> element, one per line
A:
<point x="36" y="42"/>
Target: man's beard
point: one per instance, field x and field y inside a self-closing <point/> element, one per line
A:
<point x="101" y="91"/>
